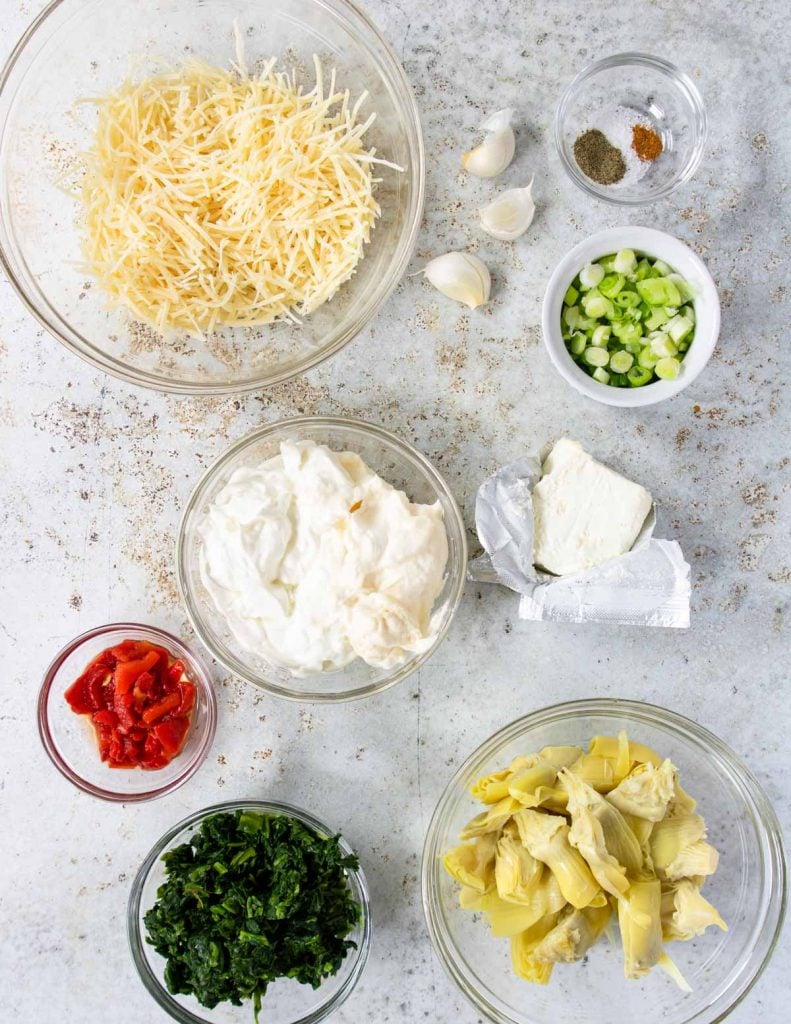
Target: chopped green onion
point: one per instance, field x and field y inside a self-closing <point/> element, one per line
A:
<point x="594" y="356"/>
<point x="624" y="262"/>
<point x="611" y="285"/>
<point x="658" y="291"/>
<point x="595" y="305"/>
<point x="621" y="361"/>
<point x="590" y="275"/>
<point x="571" y="295"/>
<point x="638" y="376"/>
<point x="571" y="316"/>
<point x="679" y="327"/>
<point x="627" y="320"/>
<point x="656" y="318"/>
<point x="684" y="287"/>
<point x="627" y="332"/>
<point x="667" y="369"/>
<point x="662" y="347"/>
<point x="646" y="359"/>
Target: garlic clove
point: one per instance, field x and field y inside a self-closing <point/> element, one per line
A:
<point x="498" y="121"/>
<point x="460" y="276"/>
<point x="510" y="214"/>
<point x="496" y="152"/>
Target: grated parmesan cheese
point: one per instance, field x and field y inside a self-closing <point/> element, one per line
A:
<point x="213" y="197"/>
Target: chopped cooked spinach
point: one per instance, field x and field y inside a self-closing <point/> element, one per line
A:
<point x="251" y="898"/>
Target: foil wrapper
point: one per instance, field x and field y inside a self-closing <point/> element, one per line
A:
<point x="648" y="586"/>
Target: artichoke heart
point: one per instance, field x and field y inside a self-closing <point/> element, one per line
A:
<point x="522" y="786"/>
<point x="573" y="935"/>
<point x="473" y="864"/>
<point x="682" y="803"/>
<point x="546" y="836"/>
<point x="494" y="787"/>
<point x="640" y="923"/>
<point x="601" y="834"/>
<point x="569" y="841"/>
<point x="646" y="791"/>
<point x="561" y="757"/>
<point x="610" y="746"/>
<point x="491" y="820"/>
<point x="516" y="870"/>
<point x="678" y="848"/>
<point x="507" y="918"/>
<point x="596" y="771"/>
<point x="685" y="912"/>
<point x="522" y="945"/>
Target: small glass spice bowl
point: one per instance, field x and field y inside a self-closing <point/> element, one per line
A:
<point x="68" y="737"/>
<point x="286" y="1000"/>
<point x="660" y="97"/>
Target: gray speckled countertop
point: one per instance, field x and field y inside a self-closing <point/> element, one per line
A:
<point x="94" y="474"/>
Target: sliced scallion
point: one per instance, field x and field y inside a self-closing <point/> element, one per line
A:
<point x="628" y="319"/>
<point x="595" y="356"/>
<point x="621" y="361"/>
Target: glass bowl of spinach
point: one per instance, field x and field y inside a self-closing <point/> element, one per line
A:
<point x="248" y="909"/>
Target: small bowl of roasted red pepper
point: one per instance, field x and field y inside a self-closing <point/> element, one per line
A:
<point x="127" y="712"/>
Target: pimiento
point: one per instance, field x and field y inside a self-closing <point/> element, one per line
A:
<point x="139" y="701"/>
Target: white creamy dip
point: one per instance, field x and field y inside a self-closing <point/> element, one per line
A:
<point x="314" y="560"/>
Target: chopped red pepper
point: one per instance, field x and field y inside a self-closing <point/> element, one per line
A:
<point x="139" y="700"/>
<point x="156" y="711"/>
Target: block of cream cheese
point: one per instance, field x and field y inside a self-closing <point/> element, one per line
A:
<point x="584" y="513"/>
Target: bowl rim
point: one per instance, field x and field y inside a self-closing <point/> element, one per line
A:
<point x="763" y="813"/>
<point x="234" y="664"/>
<point x="202" y="679"/>
<point x="658" y="245"/>
<point x="667" y="70"/>
<point x="134" y="932"/>
<point x="359" y="25"/>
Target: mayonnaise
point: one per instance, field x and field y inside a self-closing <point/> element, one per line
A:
<point x="314" y="560"/>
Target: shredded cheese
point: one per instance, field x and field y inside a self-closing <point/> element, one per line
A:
<point x="213" y="197"/>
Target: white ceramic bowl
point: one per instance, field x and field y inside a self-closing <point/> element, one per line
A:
<point x="657" y="245"/>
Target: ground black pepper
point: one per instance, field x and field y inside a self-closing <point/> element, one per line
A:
<point x="598" y="158"/>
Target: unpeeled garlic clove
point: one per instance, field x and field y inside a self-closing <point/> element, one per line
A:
<point x="510" y="214"/>
<point x="496" y="152"/>
<point x="460" y="276"/>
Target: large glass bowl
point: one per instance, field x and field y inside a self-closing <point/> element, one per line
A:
<point x="83" y="48"/>
<point x="394" y="460"/>
<point x="660" y="96"/>
<point x="749" y="887"/>
<point x="286" y="1001"/>
<point x="69" y="740"/>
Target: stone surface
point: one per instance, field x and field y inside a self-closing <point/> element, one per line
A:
<point x="94" y="474"/>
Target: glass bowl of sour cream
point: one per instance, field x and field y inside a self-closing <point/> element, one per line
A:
<point x="321" y="559"/>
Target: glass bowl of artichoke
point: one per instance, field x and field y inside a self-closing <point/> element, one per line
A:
<point x="603" y="861"/>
